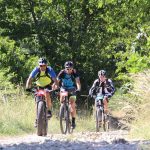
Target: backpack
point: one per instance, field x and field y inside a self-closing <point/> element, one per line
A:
<point x="62" y="72"/>
<point x="46" y="74"/>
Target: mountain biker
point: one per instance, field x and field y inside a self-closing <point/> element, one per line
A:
<point x="69" y="81"/>
<point x="103" y="86"/>
<point x="43" y="75"/>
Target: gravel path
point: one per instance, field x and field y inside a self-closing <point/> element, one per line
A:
<point x="113" y="140"/>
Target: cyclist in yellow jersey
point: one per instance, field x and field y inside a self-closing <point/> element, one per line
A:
<point x="44" y="75"/>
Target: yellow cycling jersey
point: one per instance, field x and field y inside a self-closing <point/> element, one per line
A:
<point x="43" y="80"/>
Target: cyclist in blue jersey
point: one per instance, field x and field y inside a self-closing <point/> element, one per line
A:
<point x="44" y="75"/>
<point x="69" y="81"/>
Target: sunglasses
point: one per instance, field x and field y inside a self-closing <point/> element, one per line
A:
<point x="68" y="68"/>
<point x="102" y="76"/>
<point x="42" y="65"/>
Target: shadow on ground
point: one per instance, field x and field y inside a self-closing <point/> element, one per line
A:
<point x="68" y="145"/>
<point x="116" y="123"/>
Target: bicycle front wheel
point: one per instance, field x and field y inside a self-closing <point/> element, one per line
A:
<point x="41" y="119"/>
<point x="98" y="119"/>
<point x="64" y="119"/>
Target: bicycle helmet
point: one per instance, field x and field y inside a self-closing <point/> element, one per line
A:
<point x="68" y="64"/>
<point x="101" y="73"/>
<point x="42" y="61"/>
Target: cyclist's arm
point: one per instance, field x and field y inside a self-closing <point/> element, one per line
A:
<point x="112" y="87"/>
<point x="30" y="78"/>
<point x="77" y="79"/>
<point x="78" y="83"/>
<point x="29" y="83"/>
<point x="53" y="76"/>
<point x="55" y="84"/>
<point x="92" y="88"/>
<point x="59" y="77"/>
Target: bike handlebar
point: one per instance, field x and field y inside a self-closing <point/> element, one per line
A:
<point x="33" y="90"/>
<point x="56" y="90"/>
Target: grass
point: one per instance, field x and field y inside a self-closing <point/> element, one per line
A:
<point x="18" y="116"/>
<point x="18" y="111"/>
<point x="140" y="127"/>
<point x="134" y="104"/>
<point x="83" y="124"/>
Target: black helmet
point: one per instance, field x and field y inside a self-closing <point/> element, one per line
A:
<point x="42" y="61"/>
<point x="101" y="73"/>
<point x="68" y="64"/>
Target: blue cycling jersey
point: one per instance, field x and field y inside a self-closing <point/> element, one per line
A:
<point x="67" y="80"/>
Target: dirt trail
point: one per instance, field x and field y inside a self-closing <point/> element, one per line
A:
<point x="113" y="140"/>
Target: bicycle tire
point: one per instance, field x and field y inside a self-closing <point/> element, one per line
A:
<point x="45" y="125"/>
<point x="62" y="116"/>
<point x="98" y="119"/>
<point x="41" y="119"/>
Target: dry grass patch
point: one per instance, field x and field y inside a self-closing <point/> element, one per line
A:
<point x="141" y="89"/>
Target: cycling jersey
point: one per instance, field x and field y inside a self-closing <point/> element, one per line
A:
<point x="43" y="80"/>
<point x="104" y="88"/>
<point x="68" y="80"/>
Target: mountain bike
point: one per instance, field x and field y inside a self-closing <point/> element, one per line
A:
<point x="65" y="121"/>
<point x="41" y="111"/>
<point x="102" y="120"/>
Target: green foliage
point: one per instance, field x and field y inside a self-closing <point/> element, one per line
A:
<point x="133" y="62"/>
<point x="16" y="65"/>
<point x="103" y="34"/>
<point x="4" y="81"/>
<point x="136" y="63"/>
<point x="94" y="34"/>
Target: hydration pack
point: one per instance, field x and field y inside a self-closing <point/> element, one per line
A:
<point x="45" y="75"/>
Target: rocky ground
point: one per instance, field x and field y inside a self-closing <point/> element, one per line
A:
<point x="112" y="140"/>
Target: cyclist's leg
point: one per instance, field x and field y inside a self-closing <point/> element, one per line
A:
<point x="48" y="97"/>
<point x="61" y="98"/>
<point x="72" y="101"/>
<point x="73" y="106"/>
<point x="48" y="101"/>
<point x="105" y="101"/>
